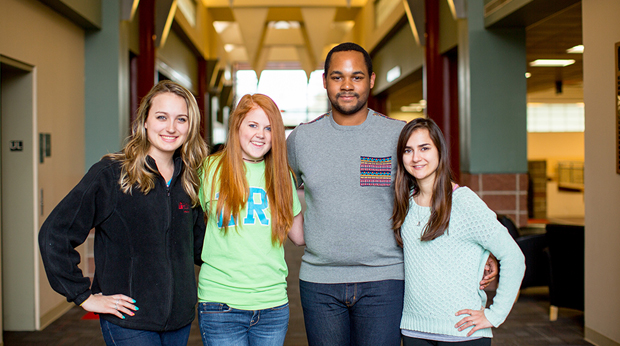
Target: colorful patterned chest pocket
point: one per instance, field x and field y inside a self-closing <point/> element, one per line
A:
<point x="375" y="171"/>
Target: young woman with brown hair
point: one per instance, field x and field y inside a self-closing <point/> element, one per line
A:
<point x="447" y="233"/>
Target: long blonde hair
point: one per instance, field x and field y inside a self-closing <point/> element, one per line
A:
<point x="229" y="173"/>
<point x="134" y="169"/>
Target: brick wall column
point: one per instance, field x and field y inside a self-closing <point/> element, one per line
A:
<point x="503" y="193"/>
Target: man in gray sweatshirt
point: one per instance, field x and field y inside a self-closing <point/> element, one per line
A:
<point x="351" y="275"/>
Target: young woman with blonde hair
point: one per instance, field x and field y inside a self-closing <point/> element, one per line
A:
<point x="251" y="206"/>
<point x="447" y="233"/>
<point x="149" y="228"/>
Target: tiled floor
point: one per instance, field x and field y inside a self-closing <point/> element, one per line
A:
<point x="528" y="324"/>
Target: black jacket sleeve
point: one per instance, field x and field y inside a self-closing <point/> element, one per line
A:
<point x="68" y="225"/>
<point x="199" y="234"/>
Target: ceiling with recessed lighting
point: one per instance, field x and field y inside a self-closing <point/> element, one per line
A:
<point x="550" y="38"/>
<point x="272" y="34"/>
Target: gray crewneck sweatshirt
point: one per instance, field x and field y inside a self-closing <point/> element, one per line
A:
<point x="347" y="173"/>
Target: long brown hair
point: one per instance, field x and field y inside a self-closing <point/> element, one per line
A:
<point x="229" y="173"/>
<point x="134" y="169"/>
<point x="406" y="186"/>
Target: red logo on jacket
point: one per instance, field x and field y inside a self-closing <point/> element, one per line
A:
<point x="185" y="207"/>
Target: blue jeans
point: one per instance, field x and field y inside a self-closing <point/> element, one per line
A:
<point x="222" y="325"/>
<point x="363" y="313"/>
<point x="118" y="336"/>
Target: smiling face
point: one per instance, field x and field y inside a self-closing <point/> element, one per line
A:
<point x="255" y="134"/>
<point x="421" y="157"/>
<point x="347" y="83"/>
<point x="166" y="125"/>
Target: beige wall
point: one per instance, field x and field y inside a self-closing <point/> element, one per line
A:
<point x="366" y="33"/>
<point x="400" y="50"/>
<point x="33" y="33"/>
<point x="448" y="29"/>
<point x="601" y="30"/>
<point x="180" y="60"/>
<point x="554" y="147"/>
<point x="202" y="36"/>
<point x="564" y="204"/>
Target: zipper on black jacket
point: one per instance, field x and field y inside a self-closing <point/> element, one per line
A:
<point x="167" y="245"/>
<point x="171" y="279"/>
<point x="176" y="173"/>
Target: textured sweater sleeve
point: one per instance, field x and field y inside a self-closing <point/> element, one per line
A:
<point x="68" y="225"/>
<point x="495" y="238"/>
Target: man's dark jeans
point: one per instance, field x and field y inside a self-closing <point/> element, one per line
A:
<point x="362" y="313"/>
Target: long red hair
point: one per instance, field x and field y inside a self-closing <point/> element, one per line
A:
<point x="229" y="172"/>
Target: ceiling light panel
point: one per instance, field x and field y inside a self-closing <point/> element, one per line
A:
<point x="575" y="50"/>
<point x="220" y="26"/>
<point x="552" y="62"/>
<point x="290" y="37"/>
<point x="283" y="25"/>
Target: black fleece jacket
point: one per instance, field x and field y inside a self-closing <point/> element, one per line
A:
<point x="145" y="246"/>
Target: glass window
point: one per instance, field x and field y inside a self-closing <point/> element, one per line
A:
<point x="555" y="117"/>
<point x="299" y="100"/>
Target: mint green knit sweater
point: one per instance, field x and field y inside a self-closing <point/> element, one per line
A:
<point x="442" y="276"/>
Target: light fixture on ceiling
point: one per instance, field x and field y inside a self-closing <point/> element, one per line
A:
<point x="393" y="74"/>
<point x="229" y="47"/>
<point x="575" y="50"/>
<point x="220" y="26"/>
<point x="552" y="62"/>
<point x="414" y="107"/>
<point x="283" y="25"/>
<point x="528" y="75"/>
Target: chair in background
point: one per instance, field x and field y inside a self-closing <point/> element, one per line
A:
<point x="533" y="248"/>
<point x="566" y="258"/>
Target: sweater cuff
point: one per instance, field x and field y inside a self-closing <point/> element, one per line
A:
<point x="493" y="318"/>
<point x="80" y="299"/>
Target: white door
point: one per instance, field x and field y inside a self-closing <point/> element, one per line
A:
<point x="19" y="248"/>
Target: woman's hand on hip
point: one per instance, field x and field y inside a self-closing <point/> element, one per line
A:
<point x="116" y="304"/>
<point x="476" y="318"/>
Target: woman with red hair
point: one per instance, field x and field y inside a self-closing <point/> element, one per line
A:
<point x="251" y="206"/>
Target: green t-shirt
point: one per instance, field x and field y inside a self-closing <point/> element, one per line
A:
<point x="242" y="268"/>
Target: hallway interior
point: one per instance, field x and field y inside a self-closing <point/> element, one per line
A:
<point x="528" y="324"/>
